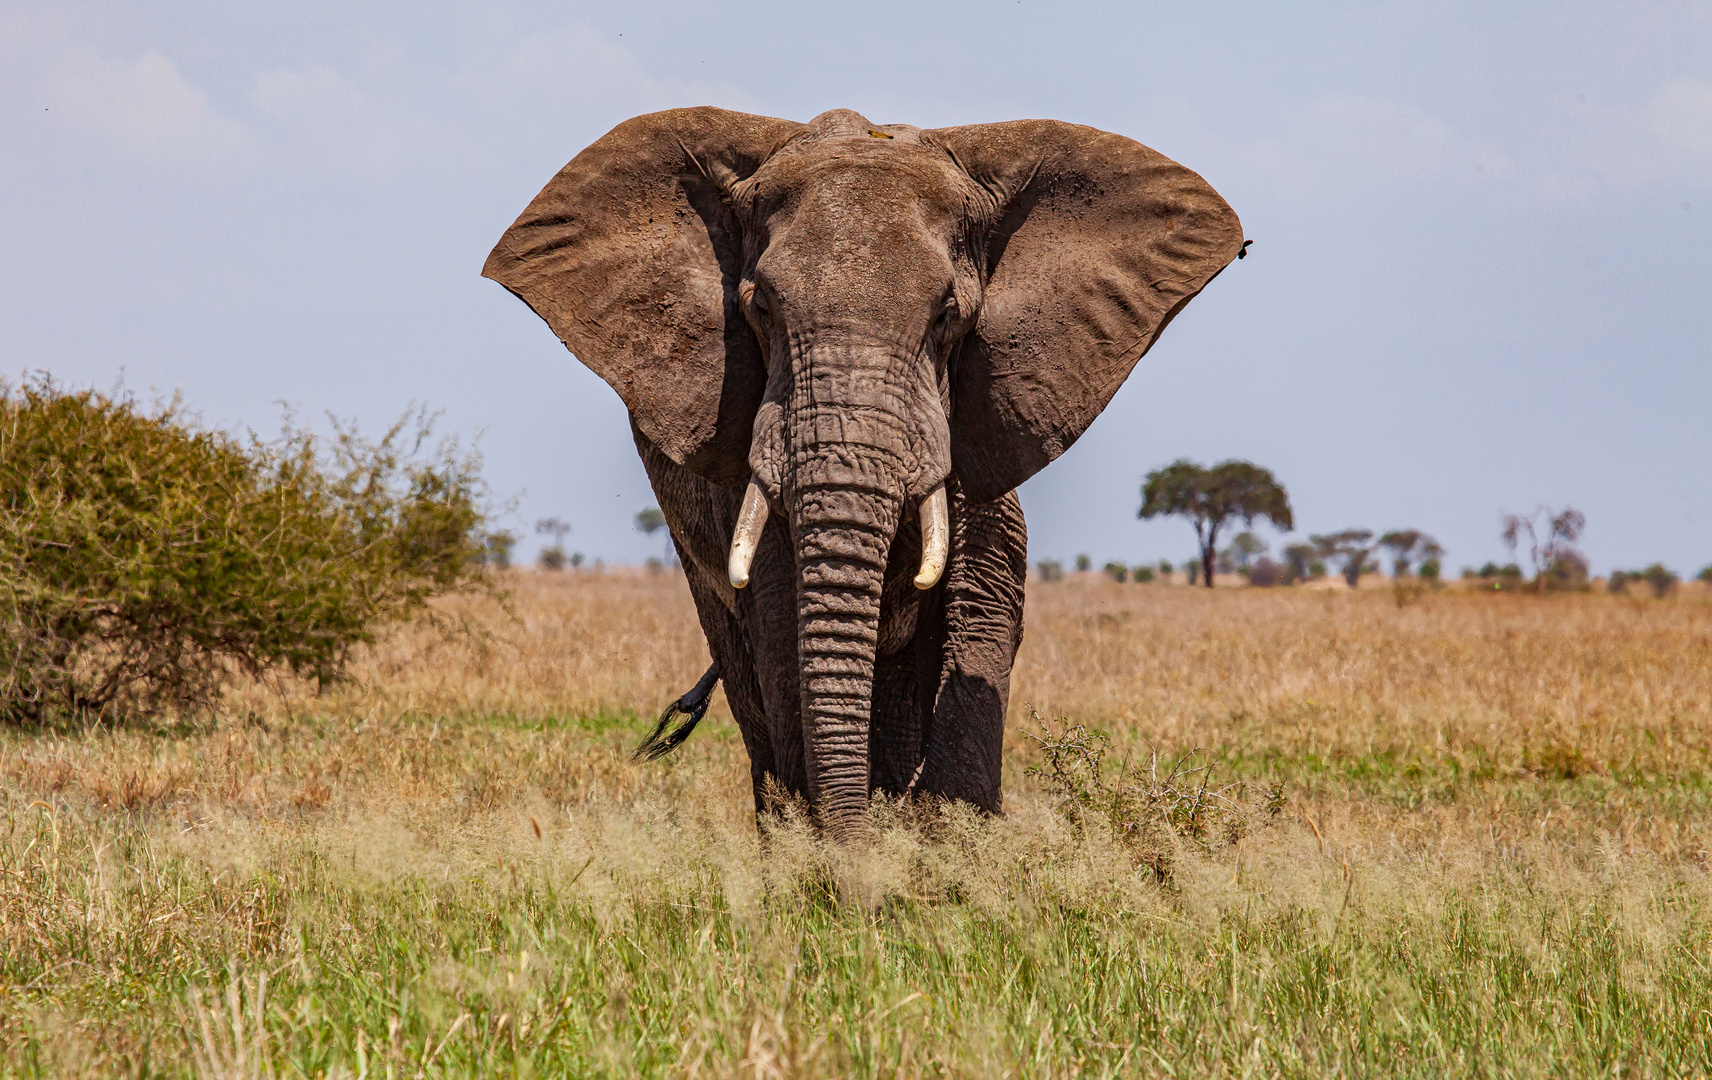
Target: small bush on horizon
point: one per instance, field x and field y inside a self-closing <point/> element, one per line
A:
<point x="1657" y="577"/>
<point x="144" y="560"/>
<point x="1660" y="579"/>
<point x="552" y="557"/>
<point x="493" y="549"/>
<point x="1143" y="575"/>
<point x="1299" y="563"/>
<point x="1050" y="570"/>
<point x="1495" y="578"/>
<point x="1117" y="571"/>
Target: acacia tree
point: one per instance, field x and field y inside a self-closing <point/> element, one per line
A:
<point x="1557" y="563"/>
<point x="1299" y="560"/>
<point x="1351" y="547"/>
<point x="553" y="557"/>
<point x="1410" y="548"/>
<point x="651" y="521"/>
<point x="1212" y="497"/>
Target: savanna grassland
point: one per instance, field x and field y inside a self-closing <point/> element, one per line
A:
<point x="1470" y="838"/>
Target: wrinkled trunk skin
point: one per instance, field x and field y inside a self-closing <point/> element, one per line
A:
<point x="862" y="437"/>
<point x="843" y="533"/>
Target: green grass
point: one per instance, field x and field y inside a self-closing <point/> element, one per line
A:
<point x="652" y="936"/>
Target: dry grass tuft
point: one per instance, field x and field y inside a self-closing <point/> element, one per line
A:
<point x="1486" y="855"/>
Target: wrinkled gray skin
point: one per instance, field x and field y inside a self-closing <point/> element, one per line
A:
<point x="855" y="315"/>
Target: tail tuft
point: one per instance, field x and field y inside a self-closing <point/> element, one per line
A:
<point x="691" y="707"/>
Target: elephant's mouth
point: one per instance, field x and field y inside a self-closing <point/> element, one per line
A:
<point x="935" y="526"/>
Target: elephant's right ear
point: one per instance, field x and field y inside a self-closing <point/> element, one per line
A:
<point x="1098" y="243"/>
<point x="632" y="256"/>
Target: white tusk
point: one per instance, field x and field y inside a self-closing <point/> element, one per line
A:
<point x="751" y="520"/>
<point x="935" y="538"/>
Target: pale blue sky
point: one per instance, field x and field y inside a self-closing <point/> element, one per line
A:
<point x="1481" y="276"/>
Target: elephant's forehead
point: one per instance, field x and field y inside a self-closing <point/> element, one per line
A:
<point x="861" y="172"/>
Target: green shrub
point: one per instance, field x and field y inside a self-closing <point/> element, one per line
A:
<point x="1117" y="571"/>
<point x="144" y="560"/>
<point x="1143" y="575"/>
<point x="1705" y="575"/>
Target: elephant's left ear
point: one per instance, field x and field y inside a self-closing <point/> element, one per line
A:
<point x="1097" y="243"/>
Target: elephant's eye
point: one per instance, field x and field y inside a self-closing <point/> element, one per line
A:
<point x="947" y="318"/>
<point x="758" y="303"/>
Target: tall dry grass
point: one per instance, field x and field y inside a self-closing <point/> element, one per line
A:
<point x="1491" y="859"/>
<point x="1622" y="684"/>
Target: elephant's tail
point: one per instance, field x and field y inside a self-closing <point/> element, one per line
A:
<point x="691" y="707"/>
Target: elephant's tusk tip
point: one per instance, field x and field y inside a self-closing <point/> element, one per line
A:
<point x="746" y="535"/>
<point x="935" y="538"/>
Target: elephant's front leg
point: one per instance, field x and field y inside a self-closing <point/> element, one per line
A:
<point x="978" y="631"/>
<point x="700" y="514"/>
<point x="898" y="713"/>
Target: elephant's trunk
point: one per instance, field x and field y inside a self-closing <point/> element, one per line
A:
<point x="843" y="533"/>
<point x="866" y="440"/>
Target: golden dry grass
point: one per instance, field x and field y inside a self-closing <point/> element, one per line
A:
<point x="1495" y="824"/>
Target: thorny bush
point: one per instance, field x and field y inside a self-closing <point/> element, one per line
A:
<point x="145" y="560"/>
<point x="1151" y="808"/>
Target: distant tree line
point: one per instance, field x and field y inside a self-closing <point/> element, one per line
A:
<point x="1212" y="498"/>
<point x="497" y="545"/>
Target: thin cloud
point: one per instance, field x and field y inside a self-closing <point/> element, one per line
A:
<point x="144" y="108"/>
<point x="1680" y="116"/>
<point x="1341" y="144"/>
<point x="319" y="121"/>
<point x="574" y="73"/>
<point x="565" y="85"/>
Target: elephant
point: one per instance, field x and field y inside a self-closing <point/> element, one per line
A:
<point x="843" y="345"/>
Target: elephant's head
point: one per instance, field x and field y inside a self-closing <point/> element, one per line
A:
<point x="840" y="315"/>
